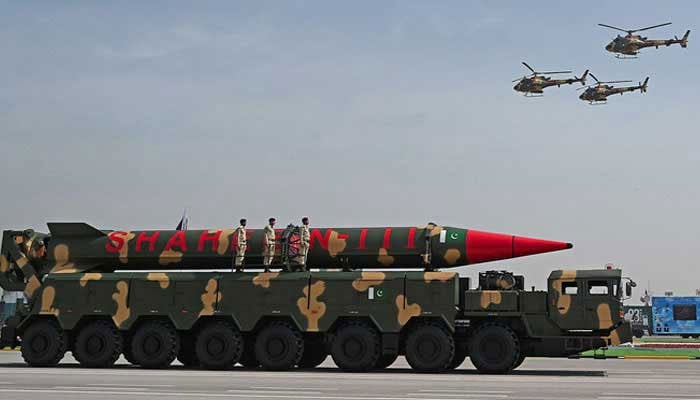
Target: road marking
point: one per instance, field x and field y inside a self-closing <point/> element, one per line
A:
<point x="113" y="387"/>
<point x="463" y="395"/>
<point x="276" y="391"/>
<point x="467" y="391"/>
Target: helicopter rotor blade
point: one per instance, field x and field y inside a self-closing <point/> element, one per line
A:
<point x="616" y="82"/>
<point x="651" y="27"/>
<point x="593" y="76"/>
<point x="529" y="67"/>
<point x="518" y="79"/>
<point x="554" y="72"/>
<point x="614" y="27"/>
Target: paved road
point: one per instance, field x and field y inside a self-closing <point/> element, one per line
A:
<point x="537" y="379"/>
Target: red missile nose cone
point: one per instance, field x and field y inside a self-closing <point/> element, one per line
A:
<point x="489" y="246"/>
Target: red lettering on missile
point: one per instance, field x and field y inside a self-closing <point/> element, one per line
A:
<point x="209" y="237"/>
<point x="323" y="240"/>
<point x="177" y="240"/>
<point x="386" y="243"/>
<point x="143" y="237"/>
<point x="363" y="240"/>
<point x="411" y="239"/>
<point x="116" y="241"/>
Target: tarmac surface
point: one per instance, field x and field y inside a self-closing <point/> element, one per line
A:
<point x="537" y="379"/>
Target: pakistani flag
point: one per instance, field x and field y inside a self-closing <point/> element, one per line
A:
<point x="453" y="235"/>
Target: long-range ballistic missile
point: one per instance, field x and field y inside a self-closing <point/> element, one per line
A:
<point x="79" y="247"/>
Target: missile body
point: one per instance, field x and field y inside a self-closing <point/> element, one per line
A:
<point x="79" y="247"/>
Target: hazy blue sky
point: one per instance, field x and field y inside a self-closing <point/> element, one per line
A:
<point x="356" y="113"/>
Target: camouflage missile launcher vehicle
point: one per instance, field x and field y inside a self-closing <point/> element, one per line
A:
<point x="84" y="297"/>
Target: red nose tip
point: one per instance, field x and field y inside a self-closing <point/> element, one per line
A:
<point x="489" y="246"/>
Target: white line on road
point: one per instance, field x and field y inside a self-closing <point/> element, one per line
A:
<point x="467" y="390"/>
<point x="465" y="395"/>
<point x="113" y="387"/>
<point x="260" y="391"/>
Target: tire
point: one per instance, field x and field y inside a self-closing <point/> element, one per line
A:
<point x="155" y="344"/>
<point x="494" y="349"/>
<point x="187" y="356"/>
<point x="44" y="344"/>
<point x="98" y="345"/>
<point x="519" y="362"/>
<point x="279" y="346"/>
<point x="314" y="353"/>
<point x="461" y="353"/>
<point x="638" y="333"/>
<point x="219" y="345"/>
<point x="356" y="347"/>
<point x="385" y="360"/>
<point x="429" y="348"/>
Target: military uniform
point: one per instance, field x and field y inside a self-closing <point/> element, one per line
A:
<point x="269" y="246"/>
<point x="241" y="246"/>
<point x="305" y="236"/>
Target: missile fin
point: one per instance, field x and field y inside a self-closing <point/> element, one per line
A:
<point x="74" y="229"/>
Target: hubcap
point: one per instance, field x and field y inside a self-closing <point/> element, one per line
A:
<point x="152" y="345"/>
<point x="40" y="343"/>
<point x="428" y="347"/>
<point x="493" y="348"/>
<point x="95" y="344"/>
<point x="215" y="346"/>
<point x="276" y="347"/>
<point x="353" y="348"/>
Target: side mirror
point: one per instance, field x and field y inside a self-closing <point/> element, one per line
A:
<point x="628" y="289"/>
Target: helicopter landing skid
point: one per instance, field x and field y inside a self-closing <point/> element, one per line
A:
<point x="529" y="94"/>
<point x="625" y="57"/>
<point x="598" y="103"/>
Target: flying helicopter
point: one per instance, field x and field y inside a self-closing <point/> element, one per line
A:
<point x="536" y="82"/>
<point x="598" y="93"/>
<point x="628" y="46"/>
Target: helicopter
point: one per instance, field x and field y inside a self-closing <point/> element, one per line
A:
<point x="599" y="92"/>
<point x="629" y="46"/>
<point x="536" y="82"/>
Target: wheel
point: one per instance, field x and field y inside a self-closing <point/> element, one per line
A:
<point x="685" y="336"/>
<point x="356" y="347"/>
<point x="519" y="362"/>
<point x="155" y="344"/>
<point x="219" y="345"/>
<point x="279" y="346"/>
<point x="494" y="349"/>
<point x="638" y="333"/>
<point x="385" y="360"/>
<point x="461" y="353"/>
<point x="98" y="345"/>
<point x="44" y="344"/>
<point x="314" y="353"/>
<point x="429" y="348"/>
<point x="186" y="355"/>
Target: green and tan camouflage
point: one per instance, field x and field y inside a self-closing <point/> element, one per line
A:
<point x="630" y="44"/>
<point x="294" y="319"/>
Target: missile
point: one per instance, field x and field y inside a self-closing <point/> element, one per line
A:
<point x="79" y="247"/>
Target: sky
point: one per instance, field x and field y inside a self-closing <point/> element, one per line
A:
<point x="363" y="113"/>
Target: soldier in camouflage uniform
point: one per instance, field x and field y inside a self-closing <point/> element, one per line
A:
<point x="241" y="245"/>
<point x="269" y="249"/>
<point x="305" y="239"/>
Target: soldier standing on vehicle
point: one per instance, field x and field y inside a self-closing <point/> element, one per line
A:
<point x="305" y="239"/>
<point x="269" y="245"/>
<point x="241" y="245"/>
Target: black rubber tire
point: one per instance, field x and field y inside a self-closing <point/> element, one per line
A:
<point x="98" y="344"/>
<point x="314" y="353"/>
<point x="44" y="343"/>
<point x="385" y="360"/>
<point x="430" y="347"/>
<point x="461" y="353"/>
<point x="519" y="362"/>
<point x="187" y="356"/>
<point x="219" y="345"/>
<point x="494" y="348"/>
<point x="155" y="344"/>
<point x="638" y="333"/>
<point x="279" y="346"/>
<point x="356" y="347"/>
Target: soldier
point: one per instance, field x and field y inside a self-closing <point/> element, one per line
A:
<point x="269" y="245"/>
<point x="241" y="245"/>
<point x="305" y="239"/>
